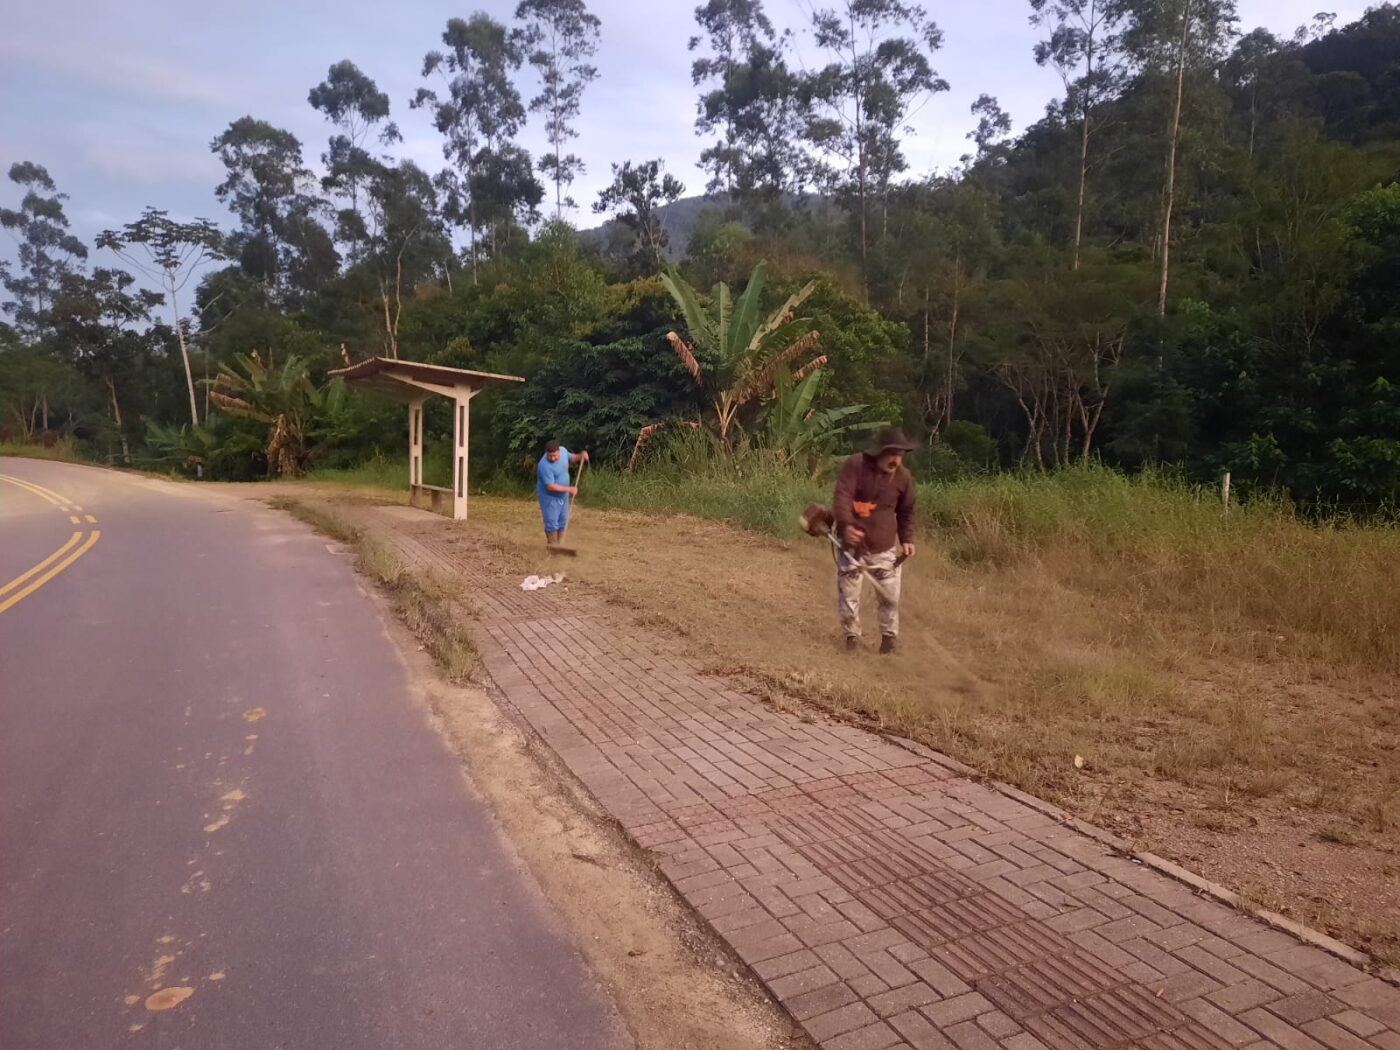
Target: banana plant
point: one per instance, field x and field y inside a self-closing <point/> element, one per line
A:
<point x="743" y="352"/>
<point x="284" y="399"/>
<point x="796" y="431"/>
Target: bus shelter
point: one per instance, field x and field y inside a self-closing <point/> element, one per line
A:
<point x="412" y="383"/>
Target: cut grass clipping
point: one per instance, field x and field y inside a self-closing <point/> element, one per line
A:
<point x="424" y="604"/>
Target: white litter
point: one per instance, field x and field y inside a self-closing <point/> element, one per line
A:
<point x="535" y="583"/>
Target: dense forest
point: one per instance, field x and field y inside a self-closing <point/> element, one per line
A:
<point x="1192" y="259"/>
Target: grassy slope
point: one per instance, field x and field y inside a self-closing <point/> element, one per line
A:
<point x="65" y="451"/>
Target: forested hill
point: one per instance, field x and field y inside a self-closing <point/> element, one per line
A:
<point x="1191" y="260"/>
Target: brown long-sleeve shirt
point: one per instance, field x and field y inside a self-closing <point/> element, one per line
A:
<point x="891" y="519"/>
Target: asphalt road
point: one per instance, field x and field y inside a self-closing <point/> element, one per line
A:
<point x="216" y="786"/>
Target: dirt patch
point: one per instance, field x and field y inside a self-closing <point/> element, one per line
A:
<point x="675" y="985"/>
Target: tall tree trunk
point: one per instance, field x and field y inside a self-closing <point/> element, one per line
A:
<point x="1083" y="182"/>
<point x="859" y="96"/>
<point x="391" y="320"/>
<point x="388" y="324"/>
<point x="1084" y="143"/>
<point x="1170" y="195"/>
<point x="952" y="339"/>
<point x="117" y="417"/>
<point x="1253" y="113"/>
<point x="184" y="351"/>
<point x="471" y="221"/>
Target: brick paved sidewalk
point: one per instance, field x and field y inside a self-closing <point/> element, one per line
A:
<point x="884" y="899"/>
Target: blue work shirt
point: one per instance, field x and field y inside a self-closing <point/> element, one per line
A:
<point x="556" y="473"/>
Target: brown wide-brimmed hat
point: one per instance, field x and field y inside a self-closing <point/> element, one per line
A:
<point x="889" y="438"/>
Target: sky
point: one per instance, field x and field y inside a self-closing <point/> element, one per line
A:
<point x="121" y="100"/>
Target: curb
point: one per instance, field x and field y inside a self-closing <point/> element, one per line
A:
<point x="1203" y="886"/>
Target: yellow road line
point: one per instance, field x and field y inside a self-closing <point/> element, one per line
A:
<point x="19" y="596"/>
<point x="43" y="488"/>
<point x="72" y="541"/>
<point x="53" y="497"/>
<point x="90" y="519"/>
<point x="75" y="519"/>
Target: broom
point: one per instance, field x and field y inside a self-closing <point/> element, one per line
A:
<point x="559" y="547"/>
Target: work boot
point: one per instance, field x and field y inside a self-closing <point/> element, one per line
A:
<point x="886" y="644"/>
<point x="852" y="643"/>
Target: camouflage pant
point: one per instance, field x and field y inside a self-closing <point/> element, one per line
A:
<point x="852" y="572"/>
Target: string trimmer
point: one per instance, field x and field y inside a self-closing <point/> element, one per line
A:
<point x="816" y="520"/>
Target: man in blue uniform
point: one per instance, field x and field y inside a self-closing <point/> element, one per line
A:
<point x="554" y="490"/>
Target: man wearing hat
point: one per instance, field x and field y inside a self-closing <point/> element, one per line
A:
<point x="874" y="508"/>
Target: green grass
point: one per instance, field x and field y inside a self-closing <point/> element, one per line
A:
<point x="766" y="501"/>
<point x="65" y="451"/>
<point x="388" y="472"/>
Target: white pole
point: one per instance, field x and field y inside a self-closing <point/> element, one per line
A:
<point x="461" y="424"/>
<point x="415" y="443"/>
<point x="1225" y="490"/>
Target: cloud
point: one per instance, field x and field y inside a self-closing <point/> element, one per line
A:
<point x="118" y="73"/>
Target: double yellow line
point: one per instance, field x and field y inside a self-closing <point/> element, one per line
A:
<point x="29" y="581"/>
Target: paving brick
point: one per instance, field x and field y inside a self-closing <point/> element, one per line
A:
<point x="867" y="985"/>
<point x="1357" y="1022"/>
<point x="968" y="1036"/>
<point x="814" y="934"/>
<point x="998" y="1025"/>
<point x="840" y="959"/>
<point x="1280" y="1031"/>
<point x="820" y="1001"/>
<point x="1079" y="919"/>
<point x="888" y="969"/>
<point x="1105" y="952"/>
<point x="1120" y="930"/>
<point x="939" y="977"/>
<point x="1270" y="974"/>
<point x="1188" y="985"/>
<point x="795" y="984"/>
<point x="878" y="1036"/>
<point x="758" y="951"/>
<point x="749" y="927"/>
<point x="959" y="1008"/>
<point x="918" y="1032"/>
<point x="1305" y="1007"/>
<point x="782" y="965"/>
<point x="1195" y="955"/>
<point x="1371" y="994"/>
<point x="1217" y="1021"/>
<point x="899" y="1000"/>
<point x="1334" y="1036"/>
<point x="839" y="1021"/>
<point x="1333" y="974"/>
